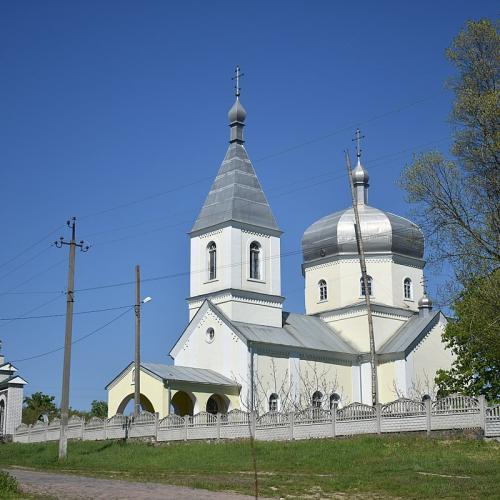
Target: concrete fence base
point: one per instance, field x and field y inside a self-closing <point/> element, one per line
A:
<point x="402" y="415"/>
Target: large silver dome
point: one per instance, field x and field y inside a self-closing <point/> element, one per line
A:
<point x="382" y="232"/>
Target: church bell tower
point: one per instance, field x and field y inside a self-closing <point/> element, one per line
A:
<point x="235" y="241"/>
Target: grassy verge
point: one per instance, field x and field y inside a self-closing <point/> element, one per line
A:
<point x="403" y="466"/>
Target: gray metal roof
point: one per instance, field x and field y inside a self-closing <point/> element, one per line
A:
<point x="188" y="374"/>
<point x="410" y="333"/>
<point x="236" y="195"/>
<point x="382" y="232"/>
<point x="299" y="330"/>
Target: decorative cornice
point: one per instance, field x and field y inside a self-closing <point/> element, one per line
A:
<point x="255" y="233"/>
<point x="210" y="234"/>
<point x="360" y="308"/>
<point x="234" y="294"/>
<point x="238" y="225"/>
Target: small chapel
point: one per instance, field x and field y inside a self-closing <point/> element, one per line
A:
<point x="242" y="350"/>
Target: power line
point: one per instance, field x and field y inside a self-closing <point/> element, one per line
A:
<point x="272" y="155"/>
<point x="25" y="262"/>
<point x="79" y="339"/>
<point x="44" y="316"/>
<point x="50" y="233"/>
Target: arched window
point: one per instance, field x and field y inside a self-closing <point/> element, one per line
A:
<point x="255" y="261"/>
<point x="212" y="260"/>
<point x="408" y="289"/>
<point x="273" y="402"/>
<point x="370" y="287"/>
<point x="317" y="399"/>
<point x="323" y="290"/>
<point x="334" y="399"/>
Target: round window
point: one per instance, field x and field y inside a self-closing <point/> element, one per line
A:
<point x="210" y="335"/>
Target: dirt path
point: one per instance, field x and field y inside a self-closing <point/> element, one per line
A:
<point x="68" y="486"/>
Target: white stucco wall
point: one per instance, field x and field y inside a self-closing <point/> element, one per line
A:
<point x="343" y="280"/>
<point x="424" y="361"/>
<point x="233" y="272"/>
<point x="226" y="354"/>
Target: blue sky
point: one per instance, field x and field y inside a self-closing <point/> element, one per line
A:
<point x="123" y="105"/>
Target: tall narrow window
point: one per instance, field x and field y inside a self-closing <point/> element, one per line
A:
<point x="370" y="288"/>
<point x="212" y="261"/>
<point x="255" y="261"/>
<point x="317" y="399"/>
<point x="273" y="402"/>
<point x="408" y="289"/>
<point x="323" y="290"/>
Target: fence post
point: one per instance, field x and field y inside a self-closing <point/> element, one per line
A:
<point x="292" y="423"/>
<point x="157" y="418"/>
<point x="334" y="419"/>
<point x="29" y="433"/>
<point x="218" y="425"/>
<point x="378" y="412"/>
<point x="186" y="420"/>
<point x="82" y="430"/>
<point x="428" y="407"/>
<point x="482" y="411"/>
<point x="45" y="434"/>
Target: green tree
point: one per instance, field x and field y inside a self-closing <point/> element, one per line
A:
<point x="456" y="202"/>
<point x="99" y="409"/>
<point x="38" y="404"/>
<point x="475" y="340"/>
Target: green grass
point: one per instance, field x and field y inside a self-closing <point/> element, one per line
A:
<point x="402" y="466"/>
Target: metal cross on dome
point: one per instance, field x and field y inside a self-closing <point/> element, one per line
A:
<point x="237" y="76"/>
<point x="358" y="138"/>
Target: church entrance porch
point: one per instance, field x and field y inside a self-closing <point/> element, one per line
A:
<point x="167" y="389"/>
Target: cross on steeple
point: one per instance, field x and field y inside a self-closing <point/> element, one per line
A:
<point x="358" y="138"/>
<point x="423" y="282"/>
<point x="237" y="76"/>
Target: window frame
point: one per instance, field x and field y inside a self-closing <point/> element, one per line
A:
<point x="212" y="253"/>
<point x="362" y="286"/>
<point x="273" y="400"/>
<point x="322" y="290"/>
<point x="255" y="249"/>
<point x="408" y="280"/>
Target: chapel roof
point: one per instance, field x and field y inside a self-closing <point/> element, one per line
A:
<point x="236" y="194"/>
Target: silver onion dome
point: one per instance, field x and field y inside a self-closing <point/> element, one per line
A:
<point x="237" y="113"/>
<point x="382" y="232"/>
<point x="425" y="302"/>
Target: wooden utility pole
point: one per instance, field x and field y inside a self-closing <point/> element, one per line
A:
<point x="364" y="275"/>
<point x="70" y="300"/>
<point x="137" y="366"/>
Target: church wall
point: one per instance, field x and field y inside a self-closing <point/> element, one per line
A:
<point x="258" y="313"/>
<point x="343" y="280"/>
<point x="272" y="376"/>
<point x="423" y="362"/>
<point x="326" y="377"/>
<point x="354" y="328"/>
<point x="386" y="376"/>
<point x="151" y="387"/>
<point x="225" y="354"/>
<point x="399" y="274"/>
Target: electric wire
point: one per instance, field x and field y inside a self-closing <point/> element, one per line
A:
<point x="79" y="339"/>
<point x="45" y="316"/>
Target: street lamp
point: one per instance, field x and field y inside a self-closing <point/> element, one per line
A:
<point x="137" y="362"/>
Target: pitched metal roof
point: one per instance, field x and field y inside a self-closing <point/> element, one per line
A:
<point x="236" y="195"/>
<point x="188" y="374"/>
<point x="299" y="330"/>
<point x="411" y="332"/>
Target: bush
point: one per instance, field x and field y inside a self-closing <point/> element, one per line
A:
<point x="8" y="484"/>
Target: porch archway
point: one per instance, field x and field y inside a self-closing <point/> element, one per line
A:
<point x="182" y="403"/>
<point x="146" y="404"/>
<point x="217" y="403"/>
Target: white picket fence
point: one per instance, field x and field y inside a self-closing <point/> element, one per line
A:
<point x="402" y="415"/>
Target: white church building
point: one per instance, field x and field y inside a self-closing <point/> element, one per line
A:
<point x="242" y="349"/>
